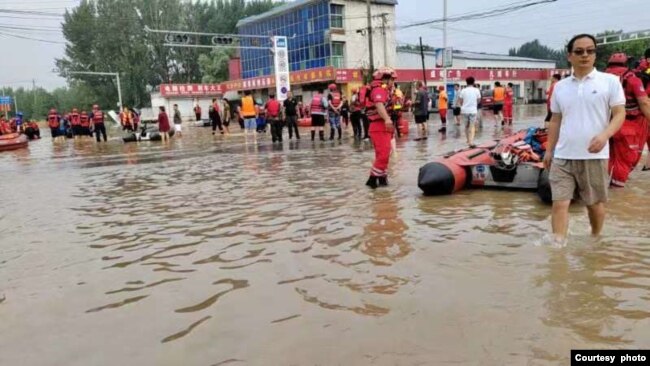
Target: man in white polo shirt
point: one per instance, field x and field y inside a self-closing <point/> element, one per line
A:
<point x="578" y="136"/>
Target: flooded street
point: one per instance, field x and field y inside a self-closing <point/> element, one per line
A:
<point x="211" y="251"/>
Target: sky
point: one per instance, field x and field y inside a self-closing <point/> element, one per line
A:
<point x="27" y="61"/>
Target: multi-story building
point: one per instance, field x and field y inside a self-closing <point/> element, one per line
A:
<point x="321" y="33"/>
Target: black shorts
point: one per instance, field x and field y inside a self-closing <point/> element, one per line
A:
<point x="420" y="119"/>
<point x="456" y="111"/>
<point x="77" y="130"/>
<point x="497" y="107"/>
<point x="54" y="132"/>
<point x="85" y="131"/>
<point x="317" y="120"/>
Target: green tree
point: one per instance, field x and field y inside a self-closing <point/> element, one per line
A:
<point x="633" y="48"/>
<point x="214" y="65"/>
<point x="110" y="36"/>
<point x="535" y="49"/>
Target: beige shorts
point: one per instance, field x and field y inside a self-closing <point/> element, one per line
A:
<point x="588" y="178"/>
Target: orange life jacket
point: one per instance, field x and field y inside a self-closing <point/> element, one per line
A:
<point x="85" y="122"/>
<point x="75" y="119"/>
<point x="316" y="105"/>
<point x="53" y="120"/>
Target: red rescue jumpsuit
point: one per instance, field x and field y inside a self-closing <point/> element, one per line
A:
<point x="627" y="144"/>
<point x="380" y="134"/>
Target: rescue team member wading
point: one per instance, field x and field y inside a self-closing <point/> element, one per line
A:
<point x="98" y="122"/>
<point x="335" y="103"/>
<point x="54" y="123"/>
<point x="381" y="125"/>
<point x="75" y="121"/>
<point x="248" y="113"/>
<point x="318" y="110"/>
<point x="273" y="116"/>
<point x="626" y="145"/>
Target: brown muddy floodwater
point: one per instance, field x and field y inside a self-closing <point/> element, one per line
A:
<point x="208" y="251"/>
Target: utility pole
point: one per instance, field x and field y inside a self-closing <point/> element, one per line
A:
<point x="372" y="59"/>
<point x="34" y="92"/>
<point x="444" y="42"/>
<point x="424" y="72"/>
<point x="383" y="31"/>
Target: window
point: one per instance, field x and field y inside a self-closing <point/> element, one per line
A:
<point x="338" y="54"/>
<point x="310" y="26"/>
<point x="336" y="16"/>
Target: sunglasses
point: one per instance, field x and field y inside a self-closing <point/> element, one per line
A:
<point x="580" y="52"/>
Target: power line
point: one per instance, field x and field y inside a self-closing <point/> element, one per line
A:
<point x="30" y="38"/>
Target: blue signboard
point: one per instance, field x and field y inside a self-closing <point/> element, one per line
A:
<point x="6" y="100"/>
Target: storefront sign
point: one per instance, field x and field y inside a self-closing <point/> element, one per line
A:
<point x="189" y="90"/>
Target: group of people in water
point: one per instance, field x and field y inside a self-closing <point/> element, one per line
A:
<point x="18" y="125"/>
<point x="76" y="124"/>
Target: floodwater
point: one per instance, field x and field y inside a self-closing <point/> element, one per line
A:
<point x="210" y="251"/>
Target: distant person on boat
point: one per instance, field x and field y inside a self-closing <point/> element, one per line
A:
<point x="5" y="127"/>
<point x="588" y="109"/>
<point x="470" y="98"/>
<point x="19" y="122"/>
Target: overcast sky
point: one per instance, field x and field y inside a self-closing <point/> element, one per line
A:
<point x="25" y="59"/>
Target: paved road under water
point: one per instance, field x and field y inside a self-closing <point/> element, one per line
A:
<point x="210" y="252"/>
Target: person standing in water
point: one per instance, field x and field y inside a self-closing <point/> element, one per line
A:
<point x="163" y="124"/>
<point x="587" y="108"/>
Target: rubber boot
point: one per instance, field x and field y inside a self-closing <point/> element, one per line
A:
<point x="313" y="135"/>
<point x="382" y="181"/>
<point x="332" y="133"/>
<point x="340" y="132"/>
<point x="321" y="135"/>
<point x="372" y="182"/>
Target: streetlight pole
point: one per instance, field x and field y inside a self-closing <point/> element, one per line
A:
<point x="444" y="43"/>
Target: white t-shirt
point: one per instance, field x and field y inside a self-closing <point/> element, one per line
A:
<point x="470" y="97"/>
<point x="585" y="106"/>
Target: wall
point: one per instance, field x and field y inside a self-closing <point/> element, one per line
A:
<point x="356" y="44"/>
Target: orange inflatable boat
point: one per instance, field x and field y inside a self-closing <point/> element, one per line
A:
<point x="514" y="162"/>
<point x="12" y="141"/>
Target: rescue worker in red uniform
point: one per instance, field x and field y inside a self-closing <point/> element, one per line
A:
<point x="381" y="127"/>
<point x="98" y="123"/>
<point x="335" y="102"/>
<point x="75" y="122"/>
<point x="626" y="145"/>
<point x="273" y="110"/>
<point x="85" y="124"/>
<point x="318" y="111"/>
<point x="644" y="71"/>
<point x="508" y="103"/>
<point x="5" y="128"/>
<point x="126" y="120"/>
<point x="54" y="123"/>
